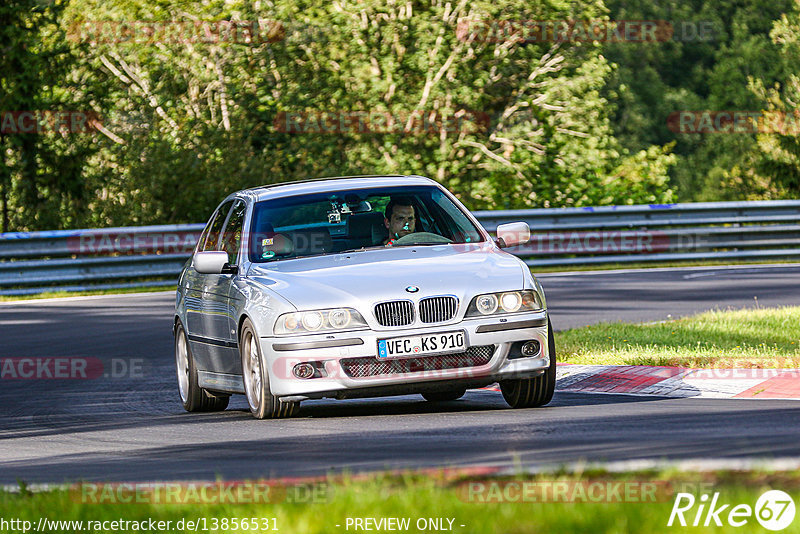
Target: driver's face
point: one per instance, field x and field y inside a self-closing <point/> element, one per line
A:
<point x="402" y="221"/>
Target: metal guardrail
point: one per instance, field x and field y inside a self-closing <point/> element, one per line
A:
<point x="755" y="230"/>
<point x="70" y="260"/>
<point x="108" y="258"/>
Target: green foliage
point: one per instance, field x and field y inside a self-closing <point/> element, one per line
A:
<point x="780" y="144"/>
<point x="41" y="175"/>
<point x="184" y="123"/>
<point x="692" y="72"/>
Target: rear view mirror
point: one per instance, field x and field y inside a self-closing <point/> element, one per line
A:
<point x="213" y="262"/>
<point x="513" y="234"/>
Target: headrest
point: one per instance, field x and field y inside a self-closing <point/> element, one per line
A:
<point x="306" y="242"/>
<point x="360" y="225"/>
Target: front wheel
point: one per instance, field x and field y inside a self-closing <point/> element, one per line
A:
<point x="536" y="391"/>
<point x="263" y="404"/>
<point x="193" y="397"/>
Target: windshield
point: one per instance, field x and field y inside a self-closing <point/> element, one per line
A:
<point x="334" y="222"/>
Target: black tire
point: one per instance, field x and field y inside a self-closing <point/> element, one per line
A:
<point x="193" y="397"/>
<point x="263" y="404"/>
<point x="536" y="391"/>
<point x="444" y="396"/>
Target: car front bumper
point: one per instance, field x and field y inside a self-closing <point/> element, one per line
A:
<point x="347" y="363"/>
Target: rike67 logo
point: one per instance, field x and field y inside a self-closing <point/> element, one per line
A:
<point x="774" y="510"/>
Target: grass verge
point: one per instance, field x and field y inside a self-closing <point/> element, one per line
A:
<point x="749" y="338"/>
<point x="597" y="502"/>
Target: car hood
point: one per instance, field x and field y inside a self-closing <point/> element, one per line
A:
<point x="359" y="279"/>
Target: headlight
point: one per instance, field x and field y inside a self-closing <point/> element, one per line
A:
<point x="319" y="321"/>
<point x="486" y="304"/>
<point x="339" y="318"/>
<point x="313" y="320"/>
<point x="505" y="302"/>
<point x="510" y="302"/>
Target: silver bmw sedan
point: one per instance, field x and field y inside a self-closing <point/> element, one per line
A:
<point x="357" y="287"/>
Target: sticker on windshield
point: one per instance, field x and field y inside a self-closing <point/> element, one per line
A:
<point x="267" y="242"/>
<point x="267" y="254"/>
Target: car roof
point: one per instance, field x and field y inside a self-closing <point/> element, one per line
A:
<point x="337" y="183"/>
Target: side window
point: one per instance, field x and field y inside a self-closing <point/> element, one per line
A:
<point x="203" y="236"/>
<point x="215" y="228"/>
<point x="232" y="236"/>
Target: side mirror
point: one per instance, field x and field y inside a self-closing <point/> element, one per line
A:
<point x="213" y="262"/>
<point x="513" y="234"/>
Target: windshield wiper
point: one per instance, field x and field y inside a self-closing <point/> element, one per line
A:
<point x="378" y="247"/>
<point x="421" y="244"/>
<point x="360" y="249"/>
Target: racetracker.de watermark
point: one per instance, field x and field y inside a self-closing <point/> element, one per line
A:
<point x="771" y="368"/>
<point x="112" y="242"/>
<point x="573" y="491"/>
<point x="381" y="122"/>
<point x="599" y="242"/>
<point x="734" y="122"/>
<point x="69" y="368"/>
<point x="243" y="32"/>
<point x="218" y="492"/>
<point x="581" y="31"/>
<point x="47" y="121"/>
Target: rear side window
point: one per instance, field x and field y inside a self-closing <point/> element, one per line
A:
<point x="210" y="238"/>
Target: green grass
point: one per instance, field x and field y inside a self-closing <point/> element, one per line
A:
<point x="60" y="294"/>
<point x="439" y="496"/>
<point x="749" y="338"/>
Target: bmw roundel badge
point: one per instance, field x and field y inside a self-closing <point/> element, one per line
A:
<point x="412" y="289"/>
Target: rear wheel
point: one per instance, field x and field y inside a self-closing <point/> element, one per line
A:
<point x="263" y="404"/>
<point x="536" y="391"/>
<point x="193" y="397"/>
<point x="444" y="396"/>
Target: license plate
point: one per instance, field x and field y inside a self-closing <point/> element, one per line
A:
<point x="404" y="347"/>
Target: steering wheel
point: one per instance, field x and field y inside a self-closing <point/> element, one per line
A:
<point x="421" y="237"/>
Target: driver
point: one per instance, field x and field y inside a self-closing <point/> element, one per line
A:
<point x="399" y="219"/>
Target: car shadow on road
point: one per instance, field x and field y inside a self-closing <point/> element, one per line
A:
<point x="474" y="401"/>
<point x="23" y="426"/>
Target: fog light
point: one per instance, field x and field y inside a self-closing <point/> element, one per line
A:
<point x="531" y="348"/>
<point x="304" y="370"/>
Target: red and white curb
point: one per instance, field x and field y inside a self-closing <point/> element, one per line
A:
<point x="679" y="382"/>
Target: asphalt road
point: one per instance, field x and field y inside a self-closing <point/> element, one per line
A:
<point x="132" y="427"/>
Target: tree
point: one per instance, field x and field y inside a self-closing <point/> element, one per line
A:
<point x="705" y="65"/>
<point x="41" y="174"/>
<point x="779" y="140"/>
<point x="501" y="121"/>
